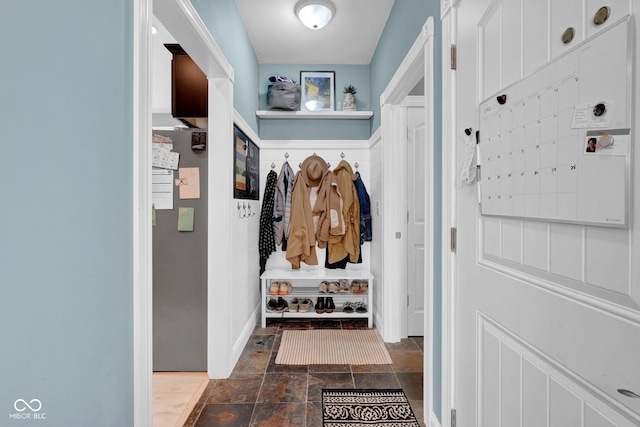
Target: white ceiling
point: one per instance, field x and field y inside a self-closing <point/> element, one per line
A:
<point x="278" y="37"/>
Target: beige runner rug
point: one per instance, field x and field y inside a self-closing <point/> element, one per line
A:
<point x="332" y="347"/>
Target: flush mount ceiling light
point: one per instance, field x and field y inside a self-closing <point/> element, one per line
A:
<point x="315" y="14"/>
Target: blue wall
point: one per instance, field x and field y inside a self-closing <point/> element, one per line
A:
<point x="224" y="22"/>
<point x="403" y="26"/>
<point x="66" y="219"/>
<point x="357" y="75"/>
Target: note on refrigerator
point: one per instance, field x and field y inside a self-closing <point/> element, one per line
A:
<point x="162" y="188"/>
<point x="161" y="158"/>
<point x="189" y="183"/>
<point x="185" y="219"/>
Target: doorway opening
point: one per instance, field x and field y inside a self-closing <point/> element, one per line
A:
<point x="416" y="69"/>
<point x="417" y="176"/>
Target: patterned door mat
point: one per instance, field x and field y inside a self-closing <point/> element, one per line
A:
<point x="367" y="407"/>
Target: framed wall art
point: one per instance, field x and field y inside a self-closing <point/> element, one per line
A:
<point x="246" y="181"/>
<point x="318" y="90"/>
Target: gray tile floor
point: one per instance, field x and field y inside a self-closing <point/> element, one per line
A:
<point x="260" y="393"/>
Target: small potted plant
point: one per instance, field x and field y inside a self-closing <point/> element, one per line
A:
<point x="349" y="98"/>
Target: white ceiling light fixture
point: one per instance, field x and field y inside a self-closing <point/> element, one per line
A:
<point x="315" y="14"/>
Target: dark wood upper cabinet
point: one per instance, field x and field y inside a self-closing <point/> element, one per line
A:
<point x="189" y="88"/>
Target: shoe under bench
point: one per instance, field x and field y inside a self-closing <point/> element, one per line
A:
<point x="305" y="284"/>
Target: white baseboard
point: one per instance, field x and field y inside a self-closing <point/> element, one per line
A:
<point x="242" y="340"/>
<point x="377" y="322"/>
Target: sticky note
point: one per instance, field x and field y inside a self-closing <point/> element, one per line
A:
<point x="185" y="219"/>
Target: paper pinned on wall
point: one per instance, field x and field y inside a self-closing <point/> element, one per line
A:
<point x="161" y="158"/>
<point x="185" y="219"/>
<point x="189" y="183"/>
<point x="162" y="188"/>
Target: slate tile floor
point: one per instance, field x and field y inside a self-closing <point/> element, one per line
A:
<point x="260" y="393"/>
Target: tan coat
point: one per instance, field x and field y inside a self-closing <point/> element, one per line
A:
<point x="310" y="225"/>
<point x="348" y="243"/>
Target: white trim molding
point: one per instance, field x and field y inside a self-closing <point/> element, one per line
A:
<point x="339" y="115"/>
<point x="448" y="209"/>
<point x="446" y="6"/>
<point x="409" y="72"/>
<point x="313" y="144"/>
<point x="433" y="420"/>
<point x="220" y="340"/>
<point x="142" y="243"/>
<point x="194" y="37"/>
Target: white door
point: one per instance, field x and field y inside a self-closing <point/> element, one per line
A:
<point x="547" y="326"/>
<point x="416" y="257"/>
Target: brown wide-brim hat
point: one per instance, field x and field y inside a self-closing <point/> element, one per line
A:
<point x="313" y="169"/>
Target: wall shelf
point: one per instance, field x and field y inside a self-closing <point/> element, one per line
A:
<point x="339" y="115"/>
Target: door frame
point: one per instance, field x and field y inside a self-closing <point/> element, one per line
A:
<point x="141" y="203"/>
<point x="448" y="16"/>
<point x="417" y="64"/>
<point x="182" y="20"/>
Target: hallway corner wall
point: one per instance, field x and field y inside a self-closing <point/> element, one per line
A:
<point x="245" y="288"/>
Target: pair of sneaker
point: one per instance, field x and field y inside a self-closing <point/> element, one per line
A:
<point x="277" y="306"/>
<point x="329" y="287"/>
<point x="359" y="287"/>
<point x="325" y="305"/>
<point x="303" y="305"/>
<point x="280" y="288"/>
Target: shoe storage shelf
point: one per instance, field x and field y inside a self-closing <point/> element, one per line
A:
<point x="305" y="285"/>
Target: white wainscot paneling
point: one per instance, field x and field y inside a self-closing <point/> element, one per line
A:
<point x="566" y="255"/>
<point x="511" y="235"/>
<point x="535" y="244"/>
<point x="520" y="386"/>
<point x="510" y="389"/>
<point x="491" y="236"/>
<point x="534" y="395"/>
<point x="535" y="34"/>
<point x="511" y="41"/>
<point x="490" y="382"/>
<point x="491" y="61"/>
<point x="565" y="408"/>
<point x="607" y="259"/>
<point x="565" y="14"/>
<point x="594" y="418"/>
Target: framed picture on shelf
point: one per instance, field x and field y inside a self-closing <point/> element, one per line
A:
<point x="246" y="162"/>
<point x="318" y="90"/>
